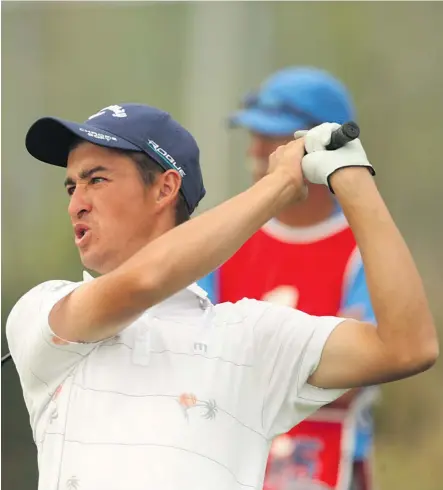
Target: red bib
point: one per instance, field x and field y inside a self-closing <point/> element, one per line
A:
<point x="315" y="455"/>
<point x="306" y="272"/>
<point x="305" y="269"/>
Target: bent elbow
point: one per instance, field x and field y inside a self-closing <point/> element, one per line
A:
<point x="423" y="358"/>
<point x="430" y="355"/>
<point x="431" y="349"/>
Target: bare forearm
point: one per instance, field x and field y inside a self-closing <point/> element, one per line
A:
<point x="102" y="308"/>
<point x="397" y="294"/>
<point x="192" y="250"/>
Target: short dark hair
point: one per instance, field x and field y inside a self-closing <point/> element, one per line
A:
<point x="148" y="170"/>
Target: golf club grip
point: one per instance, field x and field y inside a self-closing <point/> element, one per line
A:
<point x="344" y="134"/>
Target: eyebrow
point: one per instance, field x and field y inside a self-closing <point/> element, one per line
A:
<point x="84" y="174"/>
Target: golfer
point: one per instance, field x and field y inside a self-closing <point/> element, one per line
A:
<point x="133" y="379"/>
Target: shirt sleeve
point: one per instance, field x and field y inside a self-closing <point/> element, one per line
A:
<point x="288" y="349"/>
<point x="43" y="360"/>
<point x="356" y="299"/>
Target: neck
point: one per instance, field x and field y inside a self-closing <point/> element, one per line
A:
<point x="315" y="209"/>
<point x="159" y="228"/>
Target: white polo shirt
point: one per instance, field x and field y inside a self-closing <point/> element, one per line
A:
<point x="188" y="397"/>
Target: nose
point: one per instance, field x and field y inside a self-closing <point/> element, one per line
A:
<point x="79" y="203"/>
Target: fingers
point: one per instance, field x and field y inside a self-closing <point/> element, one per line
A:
<point x="319" y="137"/>
<point x="286" y="160"/>
<point x="288" y="154"/>
<point x="300" y="134"/>
<point x="298" y="143"/>
<point x="294" y="150"/>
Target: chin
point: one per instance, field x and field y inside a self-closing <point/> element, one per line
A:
<point x="102" y="264"/>
<point x="91" y="262"/>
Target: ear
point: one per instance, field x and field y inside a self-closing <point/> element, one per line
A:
<point x="168" y="186"/>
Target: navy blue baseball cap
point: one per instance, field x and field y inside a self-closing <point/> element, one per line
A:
<point x="134" y="127"/>
<point x="292" y="99"/>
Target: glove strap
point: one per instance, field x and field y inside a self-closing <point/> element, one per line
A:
<point x="369" y="167"/>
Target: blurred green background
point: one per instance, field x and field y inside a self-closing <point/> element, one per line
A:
<point x="196" y="60"/>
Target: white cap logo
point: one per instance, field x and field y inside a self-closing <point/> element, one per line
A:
<point x="116" y="109"/>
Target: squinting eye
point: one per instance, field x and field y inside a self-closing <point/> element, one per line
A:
<point x="97" y="180"/>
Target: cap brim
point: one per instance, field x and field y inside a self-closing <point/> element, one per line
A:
<point x="266" y="123"/>
<point x="50" y="139"/>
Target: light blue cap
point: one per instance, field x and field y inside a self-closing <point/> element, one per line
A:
<point x="295" y="98"/>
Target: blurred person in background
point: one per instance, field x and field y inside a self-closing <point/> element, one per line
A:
<point x="306" y="258"/>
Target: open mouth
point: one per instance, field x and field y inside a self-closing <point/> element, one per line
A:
<point x="80" y="232"/>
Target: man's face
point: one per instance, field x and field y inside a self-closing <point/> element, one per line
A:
<point x="111" y="209"/>
<point x="260" y="148"/>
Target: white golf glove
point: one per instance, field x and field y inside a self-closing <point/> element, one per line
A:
<point x="319" y="164"/>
